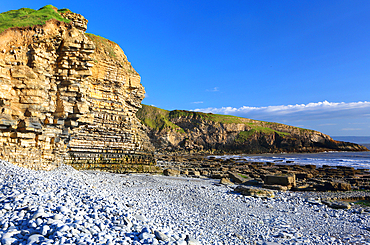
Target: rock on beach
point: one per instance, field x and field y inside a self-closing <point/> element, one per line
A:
<point x="65" y="206"/>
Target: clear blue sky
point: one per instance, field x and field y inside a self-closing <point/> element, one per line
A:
<point x="303" y="63"/>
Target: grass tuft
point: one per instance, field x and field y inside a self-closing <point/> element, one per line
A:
<point x="29" y="17"/>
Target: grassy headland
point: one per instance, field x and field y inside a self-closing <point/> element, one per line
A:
<point x="29" y="17"/>
<point x="159" y="119"/>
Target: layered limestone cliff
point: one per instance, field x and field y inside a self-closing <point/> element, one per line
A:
<point x="185" y="131"/>
<point x="66" y="96"/>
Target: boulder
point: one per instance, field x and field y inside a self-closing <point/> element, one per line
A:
<point x="337" y="204"/>
<point x="253" y="191"/>
<point x="226" y="181"/>
<point x="284" y="180"/>
<point x="171" y="172"/>
<point x="194" y="173"/>
<point x="237" y="178"/>
<point x="276" y="187"/>
<point x="337" y="186"/>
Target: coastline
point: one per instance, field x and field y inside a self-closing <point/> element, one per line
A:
<point x="83" y="207"/>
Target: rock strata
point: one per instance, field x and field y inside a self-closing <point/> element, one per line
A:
<point x="66" y="96"/>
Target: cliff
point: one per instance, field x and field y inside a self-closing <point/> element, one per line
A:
<point x="67" y="96"/>
<point x="186" y="131"/>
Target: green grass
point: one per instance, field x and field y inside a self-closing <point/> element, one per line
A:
<point x="243" y="176"/>
<point x="156" y="118"/>
<point x="206" y="116"/>
<point x="29" y="17"/>
<point x="244" y="136"/>
<point x="159" y="119"/>
<point x="103" y="43"/>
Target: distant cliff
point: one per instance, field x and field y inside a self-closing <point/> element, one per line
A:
<point x="66" y="96"/>
<point x="186" y="131"/>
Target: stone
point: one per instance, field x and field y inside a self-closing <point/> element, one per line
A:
<point x="226" y="181"/>
<point x="161" y="236"/>
<point x="181" y="242"/>
<point x="253" y="191"/>
<point x="237" y="178"/>
<point x="276" y="187"/>
<point x="57" y="216"/>
<point x="192" y="241"/>
<point x="39" y="213"/>
<point x="337" y="186"/>
<point x="144" y="235"/>
<point x="284" y="180"/>
<point x="194" y="173"/>
<point x="35" y="239"/>
<point x="8" y="241"/>
<point x="171" y="172"/>
<point x="337" y="204"/>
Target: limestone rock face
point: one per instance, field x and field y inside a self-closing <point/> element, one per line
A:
<point x="66" y="96"/>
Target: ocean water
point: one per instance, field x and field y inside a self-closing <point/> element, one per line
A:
<point x="358" y="160"/>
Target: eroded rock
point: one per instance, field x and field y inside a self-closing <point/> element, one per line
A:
<point x="66" y="96"/>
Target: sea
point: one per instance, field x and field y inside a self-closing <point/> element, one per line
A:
<point x="358" y="160"/>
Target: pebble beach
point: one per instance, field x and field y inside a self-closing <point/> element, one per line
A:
<point x="66" y="206"/>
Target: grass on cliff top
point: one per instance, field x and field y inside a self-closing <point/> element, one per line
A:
<point x="107" y="46"/>
<point x="228" y="119"/>
<point x="156" y="118"/>
<point x="159" y="119"/>
<point x="103" y="43"/>
<point x="206" y="116"/>
<point x="29" y="17"/>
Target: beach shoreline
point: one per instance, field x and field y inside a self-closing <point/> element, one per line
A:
<point x="85" y="207"/>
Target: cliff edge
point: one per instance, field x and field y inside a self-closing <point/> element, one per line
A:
<point x="67" y="96"/>
<point x="196" y="132"/>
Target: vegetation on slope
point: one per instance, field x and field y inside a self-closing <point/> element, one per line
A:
<point x="29" y="17"/>
<point x="108" y="47"/>
<point x="103" y="43"/>
<point x="156" y="118"/>
<point x="206" y="116"/>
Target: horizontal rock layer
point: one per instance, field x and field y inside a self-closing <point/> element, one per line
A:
<point x="66" y="96"/>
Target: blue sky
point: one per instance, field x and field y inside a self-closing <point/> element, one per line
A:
<point x="302" y="63"/>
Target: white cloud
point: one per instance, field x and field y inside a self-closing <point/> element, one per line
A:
<point x="215" y="89"/>
<point x="197" y="102"/>
<point x="298" y="112"/>
<point x="351" y="129"/>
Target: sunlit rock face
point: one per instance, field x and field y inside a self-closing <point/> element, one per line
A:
<point x="186" y="131"/>
<point x="67" y="96"/>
